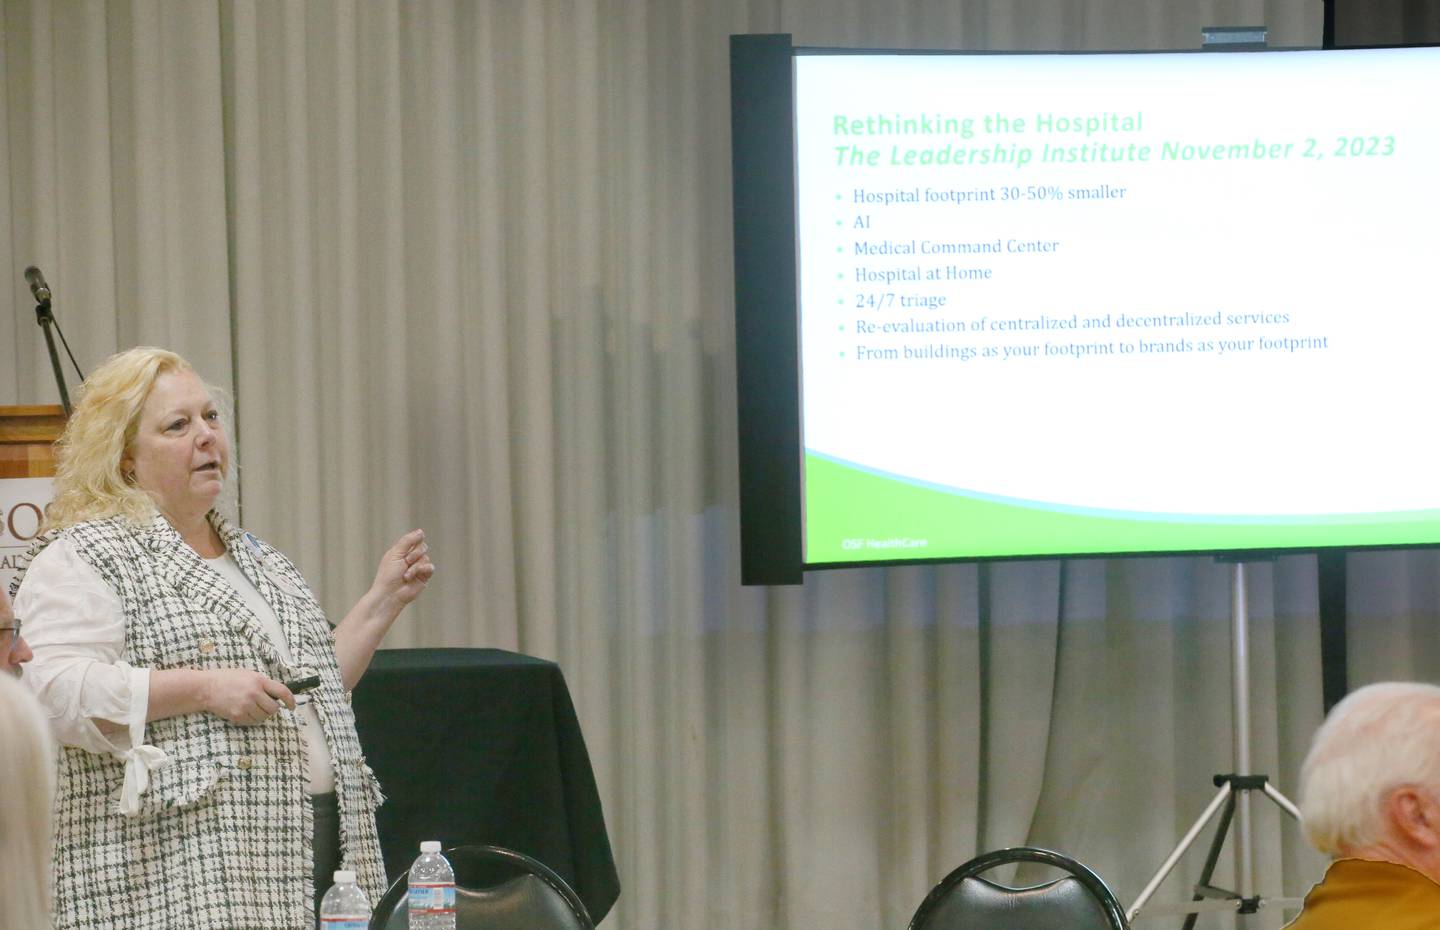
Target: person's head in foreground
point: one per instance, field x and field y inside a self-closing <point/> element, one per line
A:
<point x="1370" y="798"/>
<point x="1370" y="787"/>
<point x="27" y="785"/>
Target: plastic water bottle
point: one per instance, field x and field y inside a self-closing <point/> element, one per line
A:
<point x="432" y="890"/>
<point x="344" y="906"/>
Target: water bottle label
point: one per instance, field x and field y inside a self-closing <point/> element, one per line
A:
<point x="432" y="897"/>
<point x="344" y="923"/>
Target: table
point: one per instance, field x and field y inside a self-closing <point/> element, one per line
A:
<point x="482" y="746"/>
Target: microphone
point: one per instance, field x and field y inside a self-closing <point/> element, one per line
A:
<point x="46" y="318"/>
<point x="38" y="287"/>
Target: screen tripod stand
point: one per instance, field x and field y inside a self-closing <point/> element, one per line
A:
<point x="1232" y="802"/>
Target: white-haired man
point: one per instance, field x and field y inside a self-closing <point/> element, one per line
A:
<point x="1370" y="795"/>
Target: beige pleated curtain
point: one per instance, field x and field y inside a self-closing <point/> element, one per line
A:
<point x="467" y="265"/>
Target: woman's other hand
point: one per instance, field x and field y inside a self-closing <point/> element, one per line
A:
<point x="404" y="570"/>
<point x="242" y="696"/>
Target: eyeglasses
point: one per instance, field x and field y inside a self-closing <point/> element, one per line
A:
<point x="14" y="634"/>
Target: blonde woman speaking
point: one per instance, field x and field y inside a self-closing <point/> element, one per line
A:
<point x="193" y="791"/>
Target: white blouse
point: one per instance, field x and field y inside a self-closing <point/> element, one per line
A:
<point x="75" y="625"/>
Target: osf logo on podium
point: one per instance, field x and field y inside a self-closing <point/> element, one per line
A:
<point x="22" y="507"/>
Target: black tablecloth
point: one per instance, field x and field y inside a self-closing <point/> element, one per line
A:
<point x="481" y="746"/>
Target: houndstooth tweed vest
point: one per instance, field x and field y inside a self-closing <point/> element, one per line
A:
<point x="224" y="836"/>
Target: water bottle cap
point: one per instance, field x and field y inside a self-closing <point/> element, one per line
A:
<point x="430" y="846"/>
<point x="345" y="877"/>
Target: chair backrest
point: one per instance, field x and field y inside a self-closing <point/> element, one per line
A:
<point x="495" y="889"/>
<point x="965" y="901"/>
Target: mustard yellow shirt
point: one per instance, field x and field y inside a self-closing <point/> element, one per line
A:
<point x="1360" y="894"/>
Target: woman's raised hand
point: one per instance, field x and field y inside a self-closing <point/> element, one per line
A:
<point x="404" y="570"/>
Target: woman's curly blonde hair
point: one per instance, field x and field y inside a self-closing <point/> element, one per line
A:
<point x="89" y="479"/>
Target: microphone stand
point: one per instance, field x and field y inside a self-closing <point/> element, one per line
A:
<point x="46" y="318"/>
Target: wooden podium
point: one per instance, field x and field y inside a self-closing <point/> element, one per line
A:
<point x="27" y="440"/>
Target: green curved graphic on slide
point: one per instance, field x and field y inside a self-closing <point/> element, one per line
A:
<point x="855" y="515"/>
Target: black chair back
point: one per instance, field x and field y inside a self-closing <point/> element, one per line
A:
<point x="965" y="901"/>
<point x="495" y="889"/>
